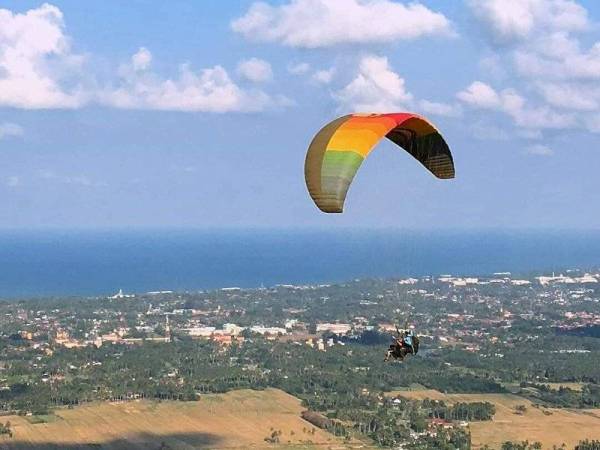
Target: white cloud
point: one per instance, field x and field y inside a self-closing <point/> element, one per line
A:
<point x="577" y="65"/>
<point x="76" y="180"/>
<point x="13" y="181"/>
<point x="542" y="36"/>
<point x="439" y="109"/>
<point x="542" y="117"/>
<point x="529" y="134"/>
<point x="323" y="76"/>
<point x="8" y="129"/>
<point x="480" y="95"/>
<point x="493" y="66"/>
<point x="299" y="68"/>
<point x="142" y="59"/>
<point x="376" y="88"/>
<point x="551" y="61"/>
<point x="554" y="45"/>
<point x="508" y="21"/>
<point x="38" y="70"/>
<point x="571" y="96"/>
<point x="209" y="90"/>
<point x="256" y="70"/>
<point x="324" y="23"/>
<point x="539" y="150"/>
<point x="541" y="48"/>
<point x="36" y="61"/>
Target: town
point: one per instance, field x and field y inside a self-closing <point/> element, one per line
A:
<point x="462" y="308"/>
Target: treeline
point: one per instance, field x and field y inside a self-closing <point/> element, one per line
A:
<point x="587" y="331"/>
<point x="393" y="421"/>
<point x="588" y="445"/>
<point x="563" y="397"/>
<point x="475" y="411"/>
<point x="523" y="445"/>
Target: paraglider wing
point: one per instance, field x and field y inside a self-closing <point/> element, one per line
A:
<point x="338" y="150"/>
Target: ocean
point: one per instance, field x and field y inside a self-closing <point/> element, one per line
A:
<point x="89" y="263"/>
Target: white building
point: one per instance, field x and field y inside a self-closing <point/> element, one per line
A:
<point x="273" y="331"/>
<point x="201" y="331"/>
<point x="120" y="294"/>
<point x="335" y="328"/>
<point x="232" y="329"/>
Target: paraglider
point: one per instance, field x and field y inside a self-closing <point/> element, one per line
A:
<point x="340" y="147"/>
<point x="405" y="343"/>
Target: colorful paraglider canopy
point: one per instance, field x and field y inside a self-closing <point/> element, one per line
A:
<point x="337" y="151"/>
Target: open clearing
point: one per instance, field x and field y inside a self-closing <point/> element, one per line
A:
<point x="548" y="425"/>
<point x="515" y="387"/>
<point x="236" y="420"/>
<point x="573" y="386"/>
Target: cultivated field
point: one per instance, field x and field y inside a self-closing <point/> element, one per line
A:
<point x="515" y="387"/>
<point x="573" y="386"/>
<point x="236" y="420"/>
<point x="550" y="426"/>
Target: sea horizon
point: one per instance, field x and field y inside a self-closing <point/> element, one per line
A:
<point x="50" y="262"/>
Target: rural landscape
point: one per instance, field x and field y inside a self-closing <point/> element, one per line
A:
<point x="240" y="419"/>
<point x="504" y="359"/>
<point x="243" y="418"/>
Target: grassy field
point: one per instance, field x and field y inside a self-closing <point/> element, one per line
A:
<point x="550" y="426"/>
<point x="515" y="387"/>
<point x="574" y="386"/>
<point x="236" y="420"/>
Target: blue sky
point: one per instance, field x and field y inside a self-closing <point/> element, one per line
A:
<point x="198" y="114"/>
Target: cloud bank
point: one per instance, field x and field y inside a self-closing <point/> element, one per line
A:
<point x="378" y="88"/>
<point x="39" y="70"/>
<point x="36" y="61"/>
<point x="325" y="23"/>
<point x="539" y="45"/>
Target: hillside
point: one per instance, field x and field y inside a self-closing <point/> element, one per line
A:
<point x="236" y="420"/>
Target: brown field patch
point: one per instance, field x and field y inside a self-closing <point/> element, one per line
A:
<point x="236" y="420"/>
<point x="573" y="386"/>
<point x="550" y="426"/>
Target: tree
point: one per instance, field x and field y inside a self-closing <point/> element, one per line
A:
<point x="524" y="445"/>
<point x="520" y="409"/>
<point x="588" y="445"/>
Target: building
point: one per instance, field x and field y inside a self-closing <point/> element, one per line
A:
<point x="201" y="332"/>
<point x="335" y="328"/>
<point x="268" y="331"/>
<point x="227" y="339"/>
<point x="120" y="295"/>
<point x="434" y="423"/>
<point x="232" y="329"/>
<point x="321" y="345"/>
